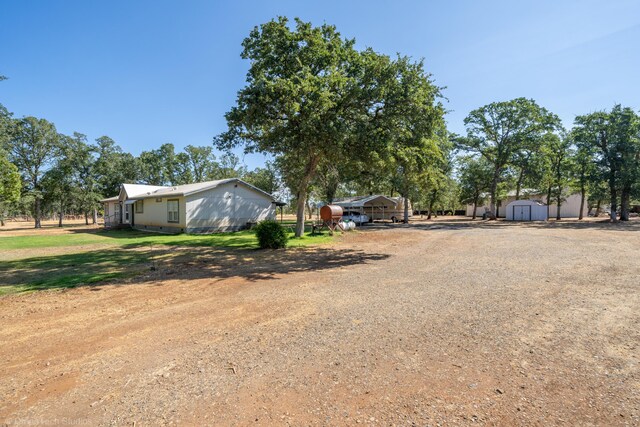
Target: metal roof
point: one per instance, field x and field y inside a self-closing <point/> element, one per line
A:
<point x="360" y="201"/>
<point x="110" y="199"/>
<point x="525" y="192"/>
<point x="135" y="190"/>
<point x="140" y="191"/>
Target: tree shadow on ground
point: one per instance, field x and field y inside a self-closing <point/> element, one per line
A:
<point x="180" y="262"/>
<point x="131" y="238"/>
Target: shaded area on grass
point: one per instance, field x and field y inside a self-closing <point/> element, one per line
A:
<point x="68" y="270"/>
<point x="150" y="264"/>
<point x="127" y="238"/>
<point x="135" y="238"/>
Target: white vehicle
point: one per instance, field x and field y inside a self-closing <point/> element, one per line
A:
<point x="356" y="217"/>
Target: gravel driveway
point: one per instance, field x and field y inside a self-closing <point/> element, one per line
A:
<point x="439" y="323"/>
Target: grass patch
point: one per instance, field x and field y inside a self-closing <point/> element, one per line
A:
<point x="129" y="238"/>
<point x="111" y="255"/>
<point x="132" y="238"/>
<point x="309" y="239"/>
<point x="53" y="240"/>
<point x="71" y="270"/>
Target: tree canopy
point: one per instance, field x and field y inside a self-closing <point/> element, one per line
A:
<point x="312" y="100"/>
<point x="613" y="138"/>
<point x="32" y="148"/>
<point x="501" y="131"/>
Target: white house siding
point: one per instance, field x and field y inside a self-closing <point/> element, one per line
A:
<point x="480" y="210"/>
<point x="227" y="207"/>
<point x="155" y="218"/>
<point x="570" y="208"/>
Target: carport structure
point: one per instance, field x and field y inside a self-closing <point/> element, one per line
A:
<point x="377" y="207"/>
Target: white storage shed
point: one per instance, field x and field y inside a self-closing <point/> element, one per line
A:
<point x="526" y="210"/>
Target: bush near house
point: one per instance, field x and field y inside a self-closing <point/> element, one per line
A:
<point x="271" y="235"/>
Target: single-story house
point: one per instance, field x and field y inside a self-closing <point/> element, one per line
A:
<point x="570" y="207"/>
<point x="223" y="205"/>
<point x="375" y="206"/>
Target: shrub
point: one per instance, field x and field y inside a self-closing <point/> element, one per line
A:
<point x="271" y="235"/>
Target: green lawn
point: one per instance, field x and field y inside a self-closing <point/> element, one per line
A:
<point x="108" y="255"/>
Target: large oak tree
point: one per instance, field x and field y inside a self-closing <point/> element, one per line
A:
<point x="314" y="102"/>
<point x="298" y="101"/>
<point x="475" y="174"/>
<point x="501" y="130"/>
<point x="614" y="139"/>
<point x="33" y="147"/>
<point x="9" y="184"/>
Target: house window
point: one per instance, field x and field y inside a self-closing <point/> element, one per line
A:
<point x="140" y="206"/>
<point x="172" y="211"/>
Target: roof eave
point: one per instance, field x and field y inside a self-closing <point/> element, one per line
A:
<point x="160" y="196"/>
<point x="229" y="181"/>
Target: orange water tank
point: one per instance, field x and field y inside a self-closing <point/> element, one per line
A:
<point x="331" y="212"/>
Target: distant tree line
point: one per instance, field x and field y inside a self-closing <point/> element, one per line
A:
<point x="518" y="144"/>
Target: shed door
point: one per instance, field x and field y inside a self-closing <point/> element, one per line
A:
<point x="522" y="213"/>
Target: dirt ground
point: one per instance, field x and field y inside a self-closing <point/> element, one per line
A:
<point x="25" y="228"/>
<point x="440" y="323"/>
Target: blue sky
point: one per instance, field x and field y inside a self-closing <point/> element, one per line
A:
<point x="150" y="72"/>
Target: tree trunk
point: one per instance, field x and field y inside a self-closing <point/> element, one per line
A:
<point x="432" y="201"/>
<point x="406" y="209"/>
<point x="301" y="194"/>
<point x="583" y="192"/>
<point x="86" y="218"/>
<point x="519" y="184"/>
<point x="613" y="191"/>
<point x="38" y="223"/>
<point x="475" y="207"/>
<point x="625" y="200"/>
<point x="95" y="216"/>
<point x="548" y="201"/>
<point x="300" y="208"/>
<point x="494" y="187"/>
<point x="558" y="204"/>
<point x="309" y="212"/>
<point x="61" y="212"/>
<point x="598" y="207"/>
